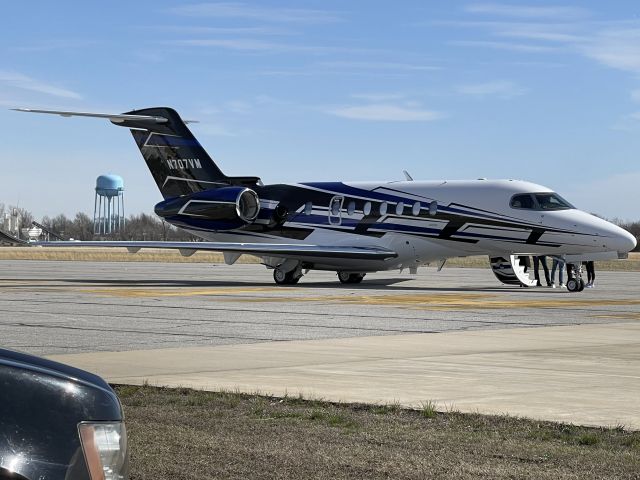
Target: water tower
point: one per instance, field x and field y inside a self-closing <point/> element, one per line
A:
<point x="108" y="209"/>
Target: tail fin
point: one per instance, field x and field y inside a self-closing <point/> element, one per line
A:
<point x="178" y="163"/>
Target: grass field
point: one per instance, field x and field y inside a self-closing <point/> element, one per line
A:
<point x="182" y="433"/>
<point x="632" y="264"/>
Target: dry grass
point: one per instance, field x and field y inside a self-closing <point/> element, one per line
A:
<point x="90" y="254"/>
<point x="632" y="264"/>
<point x="182" y="433"/>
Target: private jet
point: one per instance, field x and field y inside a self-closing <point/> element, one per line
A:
<point x="354" y="228"/>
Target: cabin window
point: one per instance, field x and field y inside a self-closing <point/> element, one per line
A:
<point x="335" y="208"/>
<point x="399" y="208"/>
<point x="308" y="207"/>
<point x="351" y="207"/>
<point x="383" y="208"/>
<point x="433" y="208"/>
<point x="416" y="209"/>
<point x="367" y="208"/>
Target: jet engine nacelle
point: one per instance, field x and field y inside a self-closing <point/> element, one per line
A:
<point x="223" y="208"/>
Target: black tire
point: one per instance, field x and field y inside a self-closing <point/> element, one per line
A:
<point x="581" y="285"/>
<point x="279" y="276"/>
<point x="285" y="278"/>
<point x="573" y="285"/>
<point x="358" y="277"/>
<point x="345" y="277"/>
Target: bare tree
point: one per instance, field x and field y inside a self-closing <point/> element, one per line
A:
<point x="82" y="227"/>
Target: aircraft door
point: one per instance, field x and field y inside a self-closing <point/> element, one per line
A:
<point x="335" y="210"/>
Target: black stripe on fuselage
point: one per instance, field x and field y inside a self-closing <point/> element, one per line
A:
<point x="294" y="197"/>
<point x="535" y="235"/>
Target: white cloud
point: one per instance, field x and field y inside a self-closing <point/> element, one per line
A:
<point x="394" y="66"/>
<point x="379" y="97"/>
<point x="526" y="11"/>
<point x="246" y="44"/>
<point x="55" y="44"/>
<point x="537" y="33"/>
<point x="612" y="43"/>
<point x="250" y="12"/>
<point x="24" y="82"/>
<point x="262" y="46"/>
<point x="515" y="47"/>
<point x="197" y="30"/>
<point x="385" y="112"/>
<point x="618" y="49"/>
<point x="628" y="123"/>
<point x="499" y="88"/>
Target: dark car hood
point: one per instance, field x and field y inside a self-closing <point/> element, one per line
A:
<point x="31" y="362"/>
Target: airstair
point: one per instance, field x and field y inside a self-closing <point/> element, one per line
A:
<point x="512" y="271"/>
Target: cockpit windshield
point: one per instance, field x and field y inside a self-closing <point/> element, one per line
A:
<point x="540" y="201"/>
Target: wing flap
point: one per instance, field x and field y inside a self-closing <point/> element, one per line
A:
<point x="271" y="249"/>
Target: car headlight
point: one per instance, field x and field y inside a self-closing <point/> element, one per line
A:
<point x="105" y="449"/>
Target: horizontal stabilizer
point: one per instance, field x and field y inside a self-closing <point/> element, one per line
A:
<point x="114" y="117"/>
<point x="261" y="249"/>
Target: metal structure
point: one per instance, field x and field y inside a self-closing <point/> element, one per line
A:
<point x="47" y="232"/>
<point x="108" y="209"/>
<point x="11" y="222"/>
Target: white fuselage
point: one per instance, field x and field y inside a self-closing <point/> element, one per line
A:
<point x="429" y="221"/>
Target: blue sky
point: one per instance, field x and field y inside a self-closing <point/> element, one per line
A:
<point x="327" y="90"/>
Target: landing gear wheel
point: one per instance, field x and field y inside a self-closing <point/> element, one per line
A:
<point x="286" y="278"/>
<point x="581" y="285"/>
<point x="346" y="277"/>
<point x="573" y="285"/>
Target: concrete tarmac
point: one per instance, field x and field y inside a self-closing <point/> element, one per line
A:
<point x="586" y="374"/>
<point x="170" y="311"/>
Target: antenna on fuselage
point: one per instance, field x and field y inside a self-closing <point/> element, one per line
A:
<point x="407" y="176"/>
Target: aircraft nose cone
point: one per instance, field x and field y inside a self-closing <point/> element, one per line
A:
<point x="621" y="240"/>
<point x="617" y="238"/>
<point x="627" y="242"/>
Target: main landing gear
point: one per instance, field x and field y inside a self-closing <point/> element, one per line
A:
<point x="286" y="278"/>
<point x="346" y="277"/>
<point x="293" y="276"/>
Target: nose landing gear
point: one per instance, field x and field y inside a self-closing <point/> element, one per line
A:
<point x="575" y="282"/>
<point x="575" y="285"/>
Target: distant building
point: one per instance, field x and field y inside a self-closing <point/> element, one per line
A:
<point x="11" y="222"/>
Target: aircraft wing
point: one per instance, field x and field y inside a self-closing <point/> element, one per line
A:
<point x="295" y="251"/>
